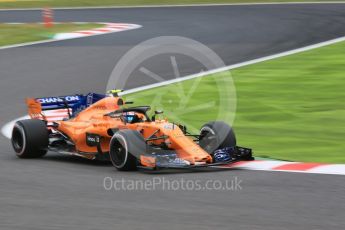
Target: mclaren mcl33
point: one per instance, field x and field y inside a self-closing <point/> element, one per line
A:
<point x="105" y="127"/>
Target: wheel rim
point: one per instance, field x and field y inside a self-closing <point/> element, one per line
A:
<point x="18" y="140"/>
<point x="118" y="153"/>
<point x="208" y="140"/>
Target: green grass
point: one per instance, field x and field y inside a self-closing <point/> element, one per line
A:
<point x="291" y="108"/>
<point x="19" y="33"/>
<point x="75" y="3"/>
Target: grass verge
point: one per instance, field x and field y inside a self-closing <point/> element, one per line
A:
<point x="90" y="3"/>
<point x="291" y="108"/>
<point x="11" y="34"/>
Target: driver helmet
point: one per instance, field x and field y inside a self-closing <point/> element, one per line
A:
<point x="129" y="117"/>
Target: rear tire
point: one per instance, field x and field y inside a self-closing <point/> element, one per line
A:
<point x="216" y="135"/>
<point x="30" y="138"/>
<point x="125" y="149"/>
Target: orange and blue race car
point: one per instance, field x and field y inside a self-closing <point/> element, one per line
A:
<point x="104" y="127"/>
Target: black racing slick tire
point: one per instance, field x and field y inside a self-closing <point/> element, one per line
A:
<point x="216" y="135"/>
<point x="30" y="138"/>
<point x="125" y="149"/>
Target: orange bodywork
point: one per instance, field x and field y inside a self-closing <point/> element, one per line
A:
<point x="92" y="120"/>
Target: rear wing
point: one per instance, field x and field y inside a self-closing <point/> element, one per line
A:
<point x="61" y="107"/>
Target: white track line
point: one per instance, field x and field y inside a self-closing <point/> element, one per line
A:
<point x="54" y="115"/>
<point x="6" y="130"/>
<point x="330" y="169"/>
<point x="284" y="166"/>
<point x="29" y="44"/>
<point x="230" y="67"/>
<point x="180" y="5"/>
<point x="110" y="27"/>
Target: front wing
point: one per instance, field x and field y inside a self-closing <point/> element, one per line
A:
<point x="238" y="154"/>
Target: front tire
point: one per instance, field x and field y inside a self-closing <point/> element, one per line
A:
<point x="30" y="138"/>
<point x="216" y="135"/>
<point x="125" y="149"/>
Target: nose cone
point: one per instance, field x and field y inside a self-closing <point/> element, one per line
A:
<point x="194" y="153"/>
<point x="184" y="146"/>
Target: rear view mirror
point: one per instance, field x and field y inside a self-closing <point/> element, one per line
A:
<point x="156" y="113"/>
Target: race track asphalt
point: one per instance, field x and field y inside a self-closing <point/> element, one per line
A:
<point x="60" y="192"/>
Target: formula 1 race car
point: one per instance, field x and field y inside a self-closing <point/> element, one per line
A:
<point x="103" y="127"/>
